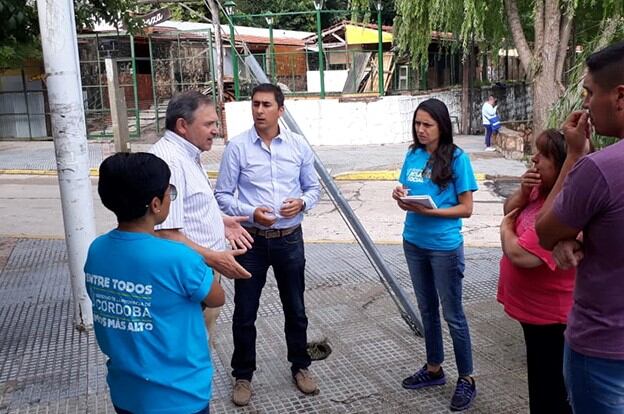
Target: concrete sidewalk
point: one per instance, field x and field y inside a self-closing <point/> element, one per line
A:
<point x="46" y="366"/>
<point x="367" y="162"/>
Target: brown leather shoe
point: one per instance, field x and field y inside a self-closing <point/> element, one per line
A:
<point x="305" y="382"/>
<point x="241" y="394"/>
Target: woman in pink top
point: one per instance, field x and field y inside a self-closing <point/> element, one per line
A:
<point x="532" y="289"/>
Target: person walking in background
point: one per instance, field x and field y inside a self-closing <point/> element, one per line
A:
<point x="267" y="174"/>
<point x="589" y="197"/>
<point x="146" y="294"/>
<point x="490" y="121"/>
<point x="191" y="122"/>
<point x="532" y="289"/>
<point x="433" y="244"/>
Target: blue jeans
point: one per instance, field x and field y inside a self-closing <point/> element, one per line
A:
<point x="438" y="273"/>
<point x="286" y="255"/>
<point x="595" y="385"/>
<point x="488" y="135"/>
<point x="122" y="411"/>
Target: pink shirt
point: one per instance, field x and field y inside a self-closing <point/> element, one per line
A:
<point x="541" y="295"/>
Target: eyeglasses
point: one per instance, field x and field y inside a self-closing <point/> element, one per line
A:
<point x="173" y="192"/>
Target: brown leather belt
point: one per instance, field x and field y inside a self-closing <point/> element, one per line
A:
<point x="271" y="233"/>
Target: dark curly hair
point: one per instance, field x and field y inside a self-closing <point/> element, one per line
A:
<point x="440" y="163"/>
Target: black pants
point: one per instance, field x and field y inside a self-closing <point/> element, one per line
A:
<point x="286" y="256"/>
<point x="544" y="348"/>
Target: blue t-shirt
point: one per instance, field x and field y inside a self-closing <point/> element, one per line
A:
<point x="146" y="295"/>
<point x="435" y="233"/>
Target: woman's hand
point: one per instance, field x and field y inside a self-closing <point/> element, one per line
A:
<point x="529" y="180"/>
<point x="398" y="192"/>
<point x="509" y="221"/>
<point x="415" y="208"/>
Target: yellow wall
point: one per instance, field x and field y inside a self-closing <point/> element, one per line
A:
<point x="356" y="35"/>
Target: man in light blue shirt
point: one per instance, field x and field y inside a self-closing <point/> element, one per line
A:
<point x="267" y="174"/>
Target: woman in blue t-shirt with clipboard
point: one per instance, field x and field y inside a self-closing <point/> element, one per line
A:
<point x="436" y="192"/>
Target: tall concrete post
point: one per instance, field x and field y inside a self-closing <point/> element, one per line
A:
<point x="117" y="101"/>
<point x="60" y="55"/>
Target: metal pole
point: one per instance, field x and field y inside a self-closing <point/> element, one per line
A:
<point x="271" y="54"/>
<point x="380" y="66"/>
<point x="234" y="59"/>
<point x="213" y="81"/>
<point x="408" y="313"/>
<point x="99" y="81"/>
<point x="119" y="112"/>
<point x="154" y="90"/>
<point x="320" y="51"/>
<point x="137" y="110"/>
<point x="60" y="55"/>
<point x="26" y="103"/>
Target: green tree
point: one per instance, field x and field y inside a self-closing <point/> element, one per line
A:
<point x="540" y="30"/>
<point x="19" y="30"/>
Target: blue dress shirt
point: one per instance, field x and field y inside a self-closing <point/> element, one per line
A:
<point x="266" y="176"/>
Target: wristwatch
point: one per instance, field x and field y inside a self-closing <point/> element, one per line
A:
<point x="303" y="206"/>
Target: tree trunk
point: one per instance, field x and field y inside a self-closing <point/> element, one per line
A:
<point x="545" y="93"/>
<point x="220" y="104"/>
<point x="542" y="63"/>
<point x="546" y="90"/>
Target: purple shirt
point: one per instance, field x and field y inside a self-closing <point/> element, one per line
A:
<point x="592" y="199"/>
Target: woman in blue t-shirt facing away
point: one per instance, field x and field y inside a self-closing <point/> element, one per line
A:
<point x="433" y="243"/>
<point x="146" y="294"/>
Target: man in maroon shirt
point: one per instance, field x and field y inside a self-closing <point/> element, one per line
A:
<point x="588" y="197"/>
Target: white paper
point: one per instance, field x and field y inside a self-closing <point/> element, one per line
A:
<point x="423" y="200"/>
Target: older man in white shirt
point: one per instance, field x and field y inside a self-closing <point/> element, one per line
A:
<point x="195" y="218"/>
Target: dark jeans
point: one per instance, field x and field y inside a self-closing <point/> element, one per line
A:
<point x="595" y="385"/>
<point x="437" y="278"/>
<point x="488" y="135"/>
<point x="544" y="349"/>
<point x="122" y="411"/>
<point x="287" y="257"/>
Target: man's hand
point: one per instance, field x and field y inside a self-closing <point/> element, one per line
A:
<point x="568" y="253"/>
<point x="236" y="234"/>
<point x="529" y="180"/>
<point x="264" y="216"/>
<point x="291" y="207"/>
<point x="577" y="131"/>
<point x="224" y="263"/>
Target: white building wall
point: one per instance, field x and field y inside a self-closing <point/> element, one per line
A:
<point x="332" y="122"/>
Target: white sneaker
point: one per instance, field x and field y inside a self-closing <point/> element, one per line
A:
<point x="488" y="149"/>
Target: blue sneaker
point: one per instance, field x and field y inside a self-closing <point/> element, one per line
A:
<point x="465" y="393"/>
<point x="423" y="378"/>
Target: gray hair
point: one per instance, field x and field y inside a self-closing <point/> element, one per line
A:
<point x="183" y="105"/>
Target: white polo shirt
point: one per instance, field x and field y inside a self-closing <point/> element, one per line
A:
<point x="195" y="212"/>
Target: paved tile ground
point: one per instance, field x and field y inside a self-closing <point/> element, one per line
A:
<point x="48" y="367"/>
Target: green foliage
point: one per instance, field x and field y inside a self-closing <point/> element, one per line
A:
<point x="17" y="33"/>
<point x="610" y="30"/>
<point x="366" y="10"/>
<point x="304" y="22"/>
<point x="468" y="21"/>
<point x="20" y="29"/>
<point x="485" y="22"/>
